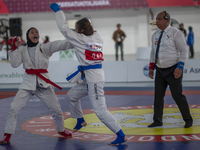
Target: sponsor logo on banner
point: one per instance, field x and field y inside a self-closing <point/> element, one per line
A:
<point x="191" y="70"/>
<point x="11" y="75"/>
<point x="67" y="55"/>
<point x="146" y="71"/>
<point x="84" y="3"/>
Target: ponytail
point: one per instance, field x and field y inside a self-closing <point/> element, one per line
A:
<point x="85" y="25"/>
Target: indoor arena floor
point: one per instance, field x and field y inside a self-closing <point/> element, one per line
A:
<point x="132" y="107"/>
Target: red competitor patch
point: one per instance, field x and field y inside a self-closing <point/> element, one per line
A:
<point x="91" y="55"/>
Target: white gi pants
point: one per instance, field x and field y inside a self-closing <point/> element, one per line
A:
<point x="96" y="96"/>
<point x="47" y="96"/>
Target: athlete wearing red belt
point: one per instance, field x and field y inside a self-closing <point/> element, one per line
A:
<point x="35" y="59"/>
<point x="88" y="47"/>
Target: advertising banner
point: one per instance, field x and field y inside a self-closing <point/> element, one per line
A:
<point x="19" y="6"/>
<point x="28" y="6"/>
<point x="172" y="3"/>
<point x="126" y="71"/>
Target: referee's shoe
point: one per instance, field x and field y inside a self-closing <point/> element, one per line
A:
<point x="155" y="124"/>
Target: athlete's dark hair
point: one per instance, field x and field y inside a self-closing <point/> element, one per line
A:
<point x="84" y="24"/>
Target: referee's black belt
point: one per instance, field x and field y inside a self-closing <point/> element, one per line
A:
<point x="168" y="68"/>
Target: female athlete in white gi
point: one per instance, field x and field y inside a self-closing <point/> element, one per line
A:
<point x="35" y="59"/>
<point x="88" y="47"/>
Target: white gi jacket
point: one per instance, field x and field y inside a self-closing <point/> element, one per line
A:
<point x="42" y="54"/>
<point x="88" y="49"/>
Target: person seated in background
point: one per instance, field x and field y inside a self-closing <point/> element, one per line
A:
<point x="46" y="40"/>
<point x="4" y="42"/>
<point x="22" y="41"/>
<point x="4" y="48"/>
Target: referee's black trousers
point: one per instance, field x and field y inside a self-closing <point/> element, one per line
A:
<point x="163" y="78"/>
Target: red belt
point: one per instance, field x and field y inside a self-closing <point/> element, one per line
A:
<point x="38" y="71"/>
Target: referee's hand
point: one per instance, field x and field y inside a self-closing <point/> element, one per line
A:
<point x="177" y="73"/>
<point x="151" y="72"/>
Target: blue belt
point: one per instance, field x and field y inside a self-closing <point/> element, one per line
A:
<point x="81" y="68"/>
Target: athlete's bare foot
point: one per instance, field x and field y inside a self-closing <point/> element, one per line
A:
<point x="65" y="134"/>
<point x="118" y="141"/>
<point x="82" y="125"/>
<point x="6" y="139"/>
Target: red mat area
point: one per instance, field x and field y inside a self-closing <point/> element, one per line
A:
<point x="6" y="94"/>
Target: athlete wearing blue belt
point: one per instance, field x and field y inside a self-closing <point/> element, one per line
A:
<point x="88" y="47"/>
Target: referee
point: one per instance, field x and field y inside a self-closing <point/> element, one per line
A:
<point x="168" y="55"/>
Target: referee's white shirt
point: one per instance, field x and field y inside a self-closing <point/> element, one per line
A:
<point x="173" y="47"/>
